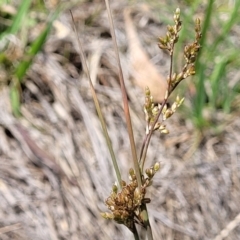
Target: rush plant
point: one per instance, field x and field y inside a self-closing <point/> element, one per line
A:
<point x="127" y="200"/>
<point x="128" y="203"/>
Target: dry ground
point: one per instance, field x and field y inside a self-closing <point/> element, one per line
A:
<point x="55" y="168"/>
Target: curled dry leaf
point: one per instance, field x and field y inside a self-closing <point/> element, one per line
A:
<point x="144" y="72"/>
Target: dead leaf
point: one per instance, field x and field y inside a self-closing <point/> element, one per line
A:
<point x="144" y="72"/>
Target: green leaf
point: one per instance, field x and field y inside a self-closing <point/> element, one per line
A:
<point x="35" y="47"/>
<point x="18" y="18"/>
<point x="15" y="99"/>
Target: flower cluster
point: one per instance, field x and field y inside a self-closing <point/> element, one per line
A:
<point x="151" y="112"/>
<point x="171" y="37"/>
<point x="125" y="206"/>
<point x="190" y="51"/>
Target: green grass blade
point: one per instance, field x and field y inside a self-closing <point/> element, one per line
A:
<point x="215" y="80"/>
<point x="200" y="97"/>
<point x="228" y="25"/>
<point x="207" y="23"/>
<point x="15" y="98"/>
<point x="23" y="66"/>
<point x="35" y="47"/>
<point x="18" y="18"/>
<point x="21" y="14"/>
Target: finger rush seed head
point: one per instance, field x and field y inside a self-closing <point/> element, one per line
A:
<point x="125" y="205"/>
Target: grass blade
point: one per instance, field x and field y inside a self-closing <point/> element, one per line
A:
<point x="35" y="47"/>
<point x="23" y="66"/>
<point x="18" y="18"/>
<point x="15" y="97"/>
<point x="200" y="97"/>
<point x="124" y="96"/>
<point x="97" y="105"/>
<point x="228" y="25"/>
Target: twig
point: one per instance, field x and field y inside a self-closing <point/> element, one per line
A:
<point x="230" y="227"/>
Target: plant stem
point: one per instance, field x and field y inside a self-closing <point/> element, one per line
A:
<point x="135" y="232"/>
<point x="125" y="99"/>
<point x="147" y="139"/>
<point x="98" y="108"/>
<point x="145" y="219"/>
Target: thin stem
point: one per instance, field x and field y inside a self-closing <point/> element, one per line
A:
<point x="135" y="232"/>
<point x="125" y="99"/>
<point x="98" y="108"/>
<point x="142" y="148"/>
<point x="149" y="135"/>
<point x="145" y="218"/>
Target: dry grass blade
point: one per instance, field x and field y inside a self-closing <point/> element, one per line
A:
<point x="229" y="228"/>
<point x="94" y="95"/>
<point x="10" y="228"/>
<point x="124" y="96"/>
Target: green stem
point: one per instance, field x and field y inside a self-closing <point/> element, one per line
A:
<point x="135" y="232"/>
<point x="145" y="218"/>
